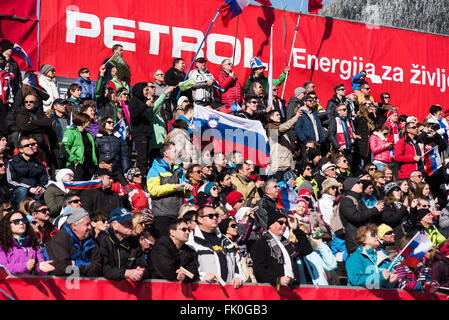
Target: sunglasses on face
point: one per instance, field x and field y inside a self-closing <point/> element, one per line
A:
<point x="104" y="220"/>
<point x="333" y="188"/>
<point x="389" y="233"/>
<point x="197" y="171"/>
<point x="34" y="222"/>
<point x="412" y="127"/>
<point x="425" y="206"/>
<point x="184" y="229"/>
<point x="8" y="209"/>
<point x="30" y="101"/>
<point x="281" y="223"/>
<point x="2" y="165"/>
<point x="125" y="94"/>
<point x="253" y="102"/>
<point x="367" y="88"/>
<point x="372" y="169"/>
<point x="211" y="215"/>
<point x="44" y="210"/>
<point x="373" y="234"/>
<point x="110" y="122"/>
<point x="160" y="74"/>
<point x="34" y="144"/>
<point x="75" y="201"/>
<point x="18" y="221"/>
<point x="241" y="200"/>
<point x="386" y="97"/>
<point x="233" y="226"/>
<point x="214" y="188"/>
<point x="137" y="175"/>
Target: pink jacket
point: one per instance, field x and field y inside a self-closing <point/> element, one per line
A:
<point x="379" y="148"/>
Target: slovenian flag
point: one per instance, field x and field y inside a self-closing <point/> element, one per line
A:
<point x="287" y="198"/>
<point x="232" y="8"/>
<point x="18" y="51"/>
<point x="229" y="133"/>
<point x="415" y="250"/>
<point x="230" y="108"/>
<point x="32" y="81"/>
<point x="432" y="161"/>
<point x="83" y="185"/>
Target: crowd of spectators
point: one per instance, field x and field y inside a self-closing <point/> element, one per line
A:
<point x="162" y="209"/>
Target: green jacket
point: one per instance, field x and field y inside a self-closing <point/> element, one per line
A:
<point x="155" y="117"/>
<point x="73" y="143"/>
<point x="434" y="235"/>
<point x="264" y="81"/>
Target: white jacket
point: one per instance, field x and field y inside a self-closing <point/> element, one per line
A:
<point x="49" y="85"/>
<point x="202" y="92"/>
<point x="326" y="206"/>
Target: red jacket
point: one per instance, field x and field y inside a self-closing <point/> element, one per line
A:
<point x="137" y="196"/>
<point x="404" y="152"/>
<point x="380" y="151"/>
<point x="233" y="90"/>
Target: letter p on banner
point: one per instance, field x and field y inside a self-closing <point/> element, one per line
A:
<point x="72" y="23"/>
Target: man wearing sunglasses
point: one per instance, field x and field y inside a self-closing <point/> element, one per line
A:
<point x="25" y="173"/>
<point x="71" y="200"/>
<point x="170" y="253"/>
<point x="217" y="255"/>
<point x="274" y="256"/>
<point x="42" y="214"/>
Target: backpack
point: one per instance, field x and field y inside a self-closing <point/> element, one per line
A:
<point x="335" y="220"/>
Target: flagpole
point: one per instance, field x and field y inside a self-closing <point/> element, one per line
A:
<point x="291" y="52"/>
<point x="199" y="48"/>
<point x="399" y="254"/>
<point x="270" y="72"/>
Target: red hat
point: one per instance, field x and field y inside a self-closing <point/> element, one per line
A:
<point x="304" y="193"/>
<point x="233" y="197"/>
<point x="446" y="112"/>
<point x="390" y="113"/>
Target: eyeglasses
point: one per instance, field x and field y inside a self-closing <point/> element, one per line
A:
<point x="253" y="102"/>
<point x="275" y="186"/>
<point x="412" y="127"/>
<point x="75" y="201"/>
<point x="110" y="122"/>
<point x="275" y="89"/>
<point x="389" y="233"/>
<point x="308" y="169"/>
<point x="8" y="209"/>
<point x="214" y="188"/>
<point x="233" y="225"/>
<point x="124" y="94"/>
<point x="343" y="109"/>
<point x="85" y="71"/>
<point x="281" y="222"/>
<point x="18" y="221"/>
<point x="211" y="215"/>
<point x="137" y="175"/>
<point x="34" y="222"/>
<point x="159" y="74"/>
<point x="386" y="97"/>
<point x="30" y="101"/>
<point x="43" y="210"/>
<point x="152" y="87"/>
<point x="373" y="234"/>
<point x="185" y="229"/>
<point x="197" y="171"/>
<point x="342" y="89"/>
<point x="34" y="144"/>
<point x="241" y="200"/>
<point x="367" y="88"/>
<point x="208" y="167"/>
<point x="372" y="169"/>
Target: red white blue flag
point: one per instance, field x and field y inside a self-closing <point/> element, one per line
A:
<point x="287" y="198"/>
<point x="231" y="133"/>
<point x="232" y="8"/>
<point x="18" y="51"/>
<point x="83" y="185"/>
<point x="432" y="161"/>
<point x="230" y="108"/>
<point x="415" y="250"/>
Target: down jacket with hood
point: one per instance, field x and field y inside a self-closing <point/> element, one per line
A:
<point x="140" y="124"/>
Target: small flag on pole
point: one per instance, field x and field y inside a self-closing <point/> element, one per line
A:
<point x="415" y="250"/>
<point x="270" y="73"/>
<point x="18" y="51"/>
<point x="122" y="67"/>
<point x="186" y="85"/>
<point x="315" y="6"/>
<point x="232" y="8"/>
<point x="432" y="161"/>
<point x="287" y="198"/>
<point x="120" y="127"/>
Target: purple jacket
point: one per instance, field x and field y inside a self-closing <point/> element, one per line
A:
<point x="92" y="128"/>
<point x="15" y="260"/>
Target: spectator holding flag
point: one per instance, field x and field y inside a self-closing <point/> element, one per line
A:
<point x="257" y="74"/>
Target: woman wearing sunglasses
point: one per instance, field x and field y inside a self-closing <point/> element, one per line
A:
<point x="368" y="265"/>
<point x="380" y="147"/>
<point x="19" y="247"/>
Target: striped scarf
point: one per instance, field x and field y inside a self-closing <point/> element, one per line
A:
<point x="341" y="132"/>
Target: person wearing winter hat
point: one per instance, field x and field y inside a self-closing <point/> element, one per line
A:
<point x="138" y="196"/>
<point x="274" y="256"/>
<point x="234" y="201"/>
<point x="180" y="105"/>
<point x="73" y="245"/>
<point x="424" y="223"/>
<point x="47" y="81"/>
<point x="326" y="202"/>
<point x="257" y="74"/>
<point x="54" y="195"/>
<point x="6" y="47"/>
<point x="393" y="126"/>
<point x="386" y="237"/>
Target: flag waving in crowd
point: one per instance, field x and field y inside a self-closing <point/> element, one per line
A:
<point x="18" y="51"/>
<point x="432" y="161"/>
<point x="232" y="8"/>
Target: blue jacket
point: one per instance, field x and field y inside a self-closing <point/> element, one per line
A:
<point x="357" y="82"/>
<point x="304" y="128"/>
<point x="364" y="268"/>
<point x="87" y="88"/>
<point x="114" y="146"/>
<point x="338" y="245"/>
<point x="319" y="261"/>
<point x="369" y="202"/>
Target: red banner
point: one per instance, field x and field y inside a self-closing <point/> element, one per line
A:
<point x="49" y="288"/>
<point x="22" y="9"/>
<point x="410" y="66"/>
<point x="24" y="33"/>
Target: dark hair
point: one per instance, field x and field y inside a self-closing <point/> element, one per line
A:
<point x="381" y="127"/>
<point x="86" y="105"/>
<point x="173" y="225"/>
<point x="81" y="71"/>
<point x="222" y="175"/>
<point x="307" y="83"/>
<point x="435" y="108"/>
<point x="69" y="195"/>
<point x="190" y="169"/>
<point x="176" y="60"/>
<point x="98" y="215"/>
<point x="6" y="234"/>
<point x="239" y="166"/>
<point x="180" y="124"/>
<point x="402" y="118"/>
<point x="384" y="94"/>
<point x="187" y="107"/>
<point x="165" y="146"/>
<point x="80" y="118"/>
<point x="115" y="47"/>
<point x="102" y="126"/>
<point x="338" y="86"/>
<point x="72" y="87"/>
<point x="250" y="96"/>
<point x="22" y="138"/>
<point x="36" y="205"/>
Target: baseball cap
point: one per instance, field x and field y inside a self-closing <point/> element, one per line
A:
<point x="120" y="215"/>
<point x="60" y="101"/>
<point x="201" y="60"/>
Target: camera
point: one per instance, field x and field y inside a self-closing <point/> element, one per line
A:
<point x="435" y="127"/>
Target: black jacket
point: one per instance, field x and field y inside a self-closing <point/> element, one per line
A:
<point x="34" y="122"/>
<point x="353" y="217"/>
<point x="103" y="200"/>
<point x="119" y="256"/>
<point x="140" y="123"/>
<point x="22" y="173"/>
<point x="61" y="250"/>
<point x="114" y="146"/>
<point x="267" y="269"/>
<point x="332" y="106"/>
<point x="172" y="78"/>
<point x="394" y="215"/>
<point x="361" y="129"/>
<point x="165" y="259"/>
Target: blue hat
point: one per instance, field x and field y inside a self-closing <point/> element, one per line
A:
<point x="255" y="63"/>
<point x="209" y="186"/>
<point x="120" y="215"/>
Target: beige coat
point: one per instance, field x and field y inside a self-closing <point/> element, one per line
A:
<point x="246" y="187"/>
<point x="184" y="146"/>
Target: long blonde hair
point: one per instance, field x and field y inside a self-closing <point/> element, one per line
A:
<point x="364" y="113"/>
